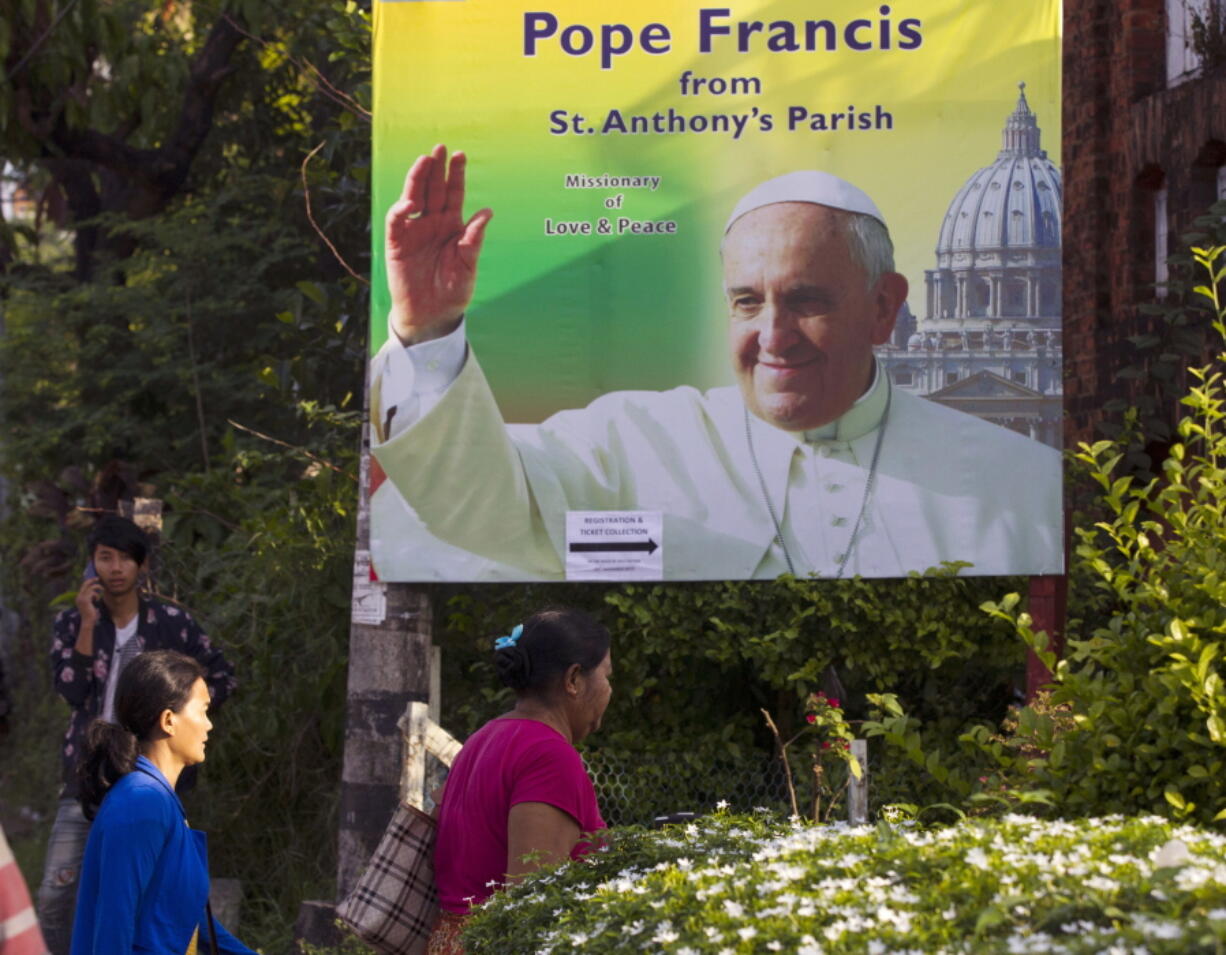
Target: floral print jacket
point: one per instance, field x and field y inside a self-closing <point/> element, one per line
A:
<point x="81" y="680"/>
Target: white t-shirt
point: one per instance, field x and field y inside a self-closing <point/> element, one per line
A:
<point x="119" y="659"/>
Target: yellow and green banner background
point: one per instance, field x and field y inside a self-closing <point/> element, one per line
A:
<point x="558" y="320"/>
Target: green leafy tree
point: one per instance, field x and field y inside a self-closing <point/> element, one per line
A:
<point x="182" y="315"/>
<point x="1140" y="718"/>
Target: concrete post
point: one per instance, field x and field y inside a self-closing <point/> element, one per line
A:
<point x="389" y="667"/>
<point x="857" y="789"/>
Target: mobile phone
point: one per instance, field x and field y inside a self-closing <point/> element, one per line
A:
<point x="90" y="571"/>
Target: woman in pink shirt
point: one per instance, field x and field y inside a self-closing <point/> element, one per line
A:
<point x="518" y="796"/>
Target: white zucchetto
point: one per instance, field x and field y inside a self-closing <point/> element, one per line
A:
<point x="807" y="185"/>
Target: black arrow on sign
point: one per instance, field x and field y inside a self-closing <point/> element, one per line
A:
<point x="615" y="546"/>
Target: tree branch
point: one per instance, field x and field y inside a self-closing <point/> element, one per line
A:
<point x="322" y="83"/>
<point x="209" y="70"/>
<point x="292" y="447"/>
<point x="163" y="170"/>
<point x="306" y="195"/>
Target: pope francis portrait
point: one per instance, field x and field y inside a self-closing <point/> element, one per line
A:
<point x="811" y="464"/>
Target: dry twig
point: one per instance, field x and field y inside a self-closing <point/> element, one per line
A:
<point x="787" y="769"/>
<point x="292" y="447"/>
<point x="322" y="83"/>
<point x="306" y="194"/>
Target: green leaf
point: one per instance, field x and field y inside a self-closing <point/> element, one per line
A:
<point x="1217" y="728"/>
<point x="312" y="290"/>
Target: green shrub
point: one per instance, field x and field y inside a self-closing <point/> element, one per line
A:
<point x="695" y="664"/>
<point x="1145" y="724"/>
<point x="749" y="884"/>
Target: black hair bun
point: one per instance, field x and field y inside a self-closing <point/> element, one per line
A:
<point x="514" y="667"/>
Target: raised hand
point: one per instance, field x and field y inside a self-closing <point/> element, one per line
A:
<point x="431" y="251"/>
<point x="88" y="597"/>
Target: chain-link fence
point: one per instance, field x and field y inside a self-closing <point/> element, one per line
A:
<point x="633" y="789"/>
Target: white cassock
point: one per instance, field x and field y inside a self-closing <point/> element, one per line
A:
<point x="468" y="497"/>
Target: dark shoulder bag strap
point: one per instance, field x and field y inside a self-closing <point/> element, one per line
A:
<point x="208" y="910"/>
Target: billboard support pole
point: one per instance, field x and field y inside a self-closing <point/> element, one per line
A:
<point x="1048" y="602"/>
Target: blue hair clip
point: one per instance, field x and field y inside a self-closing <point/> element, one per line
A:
<point x="503" y="643"/>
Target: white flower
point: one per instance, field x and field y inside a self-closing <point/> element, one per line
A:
<point x="1174" y="853"/>
<point x="665" y="935"/>
<point x="1192" y="877"/>
<point x="722" y="805"/>
<point x="1099" y="884"/>
<point x="775" y="946"/>
<point x="734" y="909"/>
<point x="685" y="864"/>
<point x="747" y="932"/>
<point x="1216" y="915"/>
<point x="978" y="858"/>
<point x="1158" y="928"/>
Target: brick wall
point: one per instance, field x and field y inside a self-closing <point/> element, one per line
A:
<point x="1125" y="135"/>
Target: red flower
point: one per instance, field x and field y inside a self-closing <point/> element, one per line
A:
<point x="812" y="717"/>
<point x="834" y="701"/>
<point x="825" y="745"/>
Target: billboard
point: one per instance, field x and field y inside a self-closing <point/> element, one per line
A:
<point x="666" y="291"/>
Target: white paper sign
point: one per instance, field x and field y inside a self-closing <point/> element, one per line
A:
<point x="369" y="596"/>
<point x="614" y="545"/>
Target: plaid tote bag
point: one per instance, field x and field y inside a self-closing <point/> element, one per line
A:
<point x="394" y="906"/>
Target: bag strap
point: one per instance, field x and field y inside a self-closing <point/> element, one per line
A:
<point x="208" y="910"/>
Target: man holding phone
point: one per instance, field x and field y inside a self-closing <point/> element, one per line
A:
<point x="109" y="625"/>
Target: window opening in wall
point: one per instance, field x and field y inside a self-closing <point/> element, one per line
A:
<point x="904" y="376"/>
<point x="1195" y="37"/>
<point x="1015" y="297"/>
<point x="981" y="297"/>
<point x="951" y="377"/>
<point x="1019" y="376"/>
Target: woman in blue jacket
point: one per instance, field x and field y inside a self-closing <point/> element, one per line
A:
<point x="145" y="880"/>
